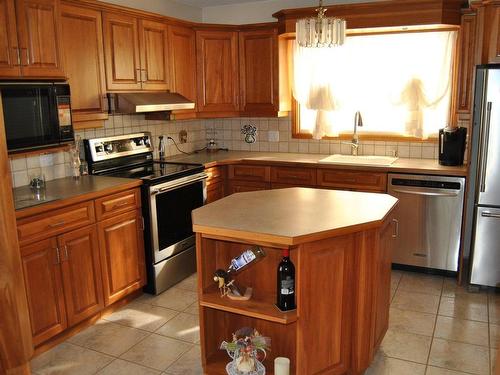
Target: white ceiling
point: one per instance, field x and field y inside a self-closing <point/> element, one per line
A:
<point x="211" y="3"/>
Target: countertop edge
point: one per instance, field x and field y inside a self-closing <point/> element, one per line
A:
<point x="60" y="203"/>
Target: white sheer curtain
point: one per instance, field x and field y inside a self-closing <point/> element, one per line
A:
<point x="400" y="82"/>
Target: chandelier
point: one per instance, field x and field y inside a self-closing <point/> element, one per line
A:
<point x="320" y="31"/>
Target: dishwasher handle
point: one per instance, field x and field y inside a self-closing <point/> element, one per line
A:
<point x="489" y="214"/>
<point x="427" y="192"/>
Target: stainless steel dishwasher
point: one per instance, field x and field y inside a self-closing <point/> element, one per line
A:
<point x="428" y="220"/>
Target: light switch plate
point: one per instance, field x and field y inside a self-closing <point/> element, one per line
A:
<point x="273" y="136"/>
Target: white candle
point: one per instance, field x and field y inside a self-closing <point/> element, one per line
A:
<point x="281" y="366"/>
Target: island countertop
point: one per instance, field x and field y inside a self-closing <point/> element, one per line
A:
<point x="292" y="216"/>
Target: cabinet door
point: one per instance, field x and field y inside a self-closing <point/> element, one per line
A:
<point x="121" y="49"/>
<point x="42" y="276"/>
<point x="235" y="186"/>
<point x="81" y="273"/>
<point x="466" y="62"/>
<point x="122" y="255"/>
<point x="182" y="51"/>
<point x="259" y="71"/>
<point x="10" y="64"/>
<point x="383" y="280"/>
<point x="217" y="71"/>
<point x="154" y="55"/>
<point x="39" y="29"/>
<point x="494" y="33"/>
<point x="84" y="62"/>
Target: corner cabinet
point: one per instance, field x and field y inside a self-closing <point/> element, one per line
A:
<point x="217" y="73"/>
<point x="80" y="258"/>
<point x="30" y="39"/>
<point x="83" y="53"/>
<point x="136" y="53"/>
<point x="259" y="73"/>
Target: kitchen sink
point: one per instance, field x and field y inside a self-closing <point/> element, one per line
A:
<point x="359" y="160"/>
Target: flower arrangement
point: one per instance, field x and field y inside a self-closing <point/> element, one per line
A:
<point x="247" y="350"/>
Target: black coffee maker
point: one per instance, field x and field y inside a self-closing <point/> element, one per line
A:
<point x="452" y="146"/>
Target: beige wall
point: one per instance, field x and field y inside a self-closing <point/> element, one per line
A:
<point x="259" y="11"/>
<point x="166" y="7"/>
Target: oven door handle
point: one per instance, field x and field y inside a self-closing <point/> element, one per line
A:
<point x="171" y="185"/>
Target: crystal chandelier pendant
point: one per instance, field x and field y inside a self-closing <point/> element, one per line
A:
<point x="320" y="31"/>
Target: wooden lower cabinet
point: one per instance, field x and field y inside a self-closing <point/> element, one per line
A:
<point x="122" y="255"/>
<point x="215" y="192"/>
<point x="244" y="186"/>
<point x="352" y="180"/>
<point x="81" y="273"/>
<point x="44" y="289"/>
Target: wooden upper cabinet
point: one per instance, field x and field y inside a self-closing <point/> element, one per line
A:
<point x="39" y="33"/>
<point x="217" y="71"/>
<point x="466" y="63"/>
<point x="122" y="255"/>
<point x="493" y="32"/>
<point x="81" y="273"/>
<point x="182" y="51"/>
<point x="121" y="48"/>
<point x="43" y="280"/>
<point x="83" y="54"/>
<point x="259" y="78"/>
<point x="10" y="64"/>
<point x="154" y="55"/>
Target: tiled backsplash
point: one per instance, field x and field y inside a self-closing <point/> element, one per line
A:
<point x="56" y="165"/>
<point x="227" y="133"/>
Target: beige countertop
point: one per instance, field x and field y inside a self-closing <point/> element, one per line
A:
<point x="402" y="165"/>
<point x="69" y="190"/>
<point x="292" y="216"/>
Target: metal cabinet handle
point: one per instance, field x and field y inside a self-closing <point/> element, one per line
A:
<point x="66" y="256"/>
<point x="395" y="234"/>
<point x="484" y="153"/>
<point x="58" y="224"/>
<point x="58" y="255"/>
<point x="489" y="214"/>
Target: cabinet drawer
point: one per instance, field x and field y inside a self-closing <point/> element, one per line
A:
<point x="249" y="173"/>
<point x="117" y="203"/>
<point x="364" y="181"/>
<point x="290" y="175"/>
<point x="55" y="222"/>
<point x="244" y="186"/>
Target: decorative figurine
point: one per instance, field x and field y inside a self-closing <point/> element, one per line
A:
<point x="225" y="281"/>
<point x="247" y="351"/>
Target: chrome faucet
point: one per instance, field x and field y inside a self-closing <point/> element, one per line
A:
<point x="358" y="121"/>
<point x="161" y="148"/>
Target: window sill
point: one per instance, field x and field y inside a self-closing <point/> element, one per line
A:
<point x="370" y="137"/>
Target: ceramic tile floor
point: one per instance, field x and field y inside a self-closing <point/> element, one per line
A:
<point x="436" y="328"/>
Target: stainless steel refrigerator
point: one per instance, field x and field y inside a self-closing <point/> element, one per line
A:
<point x="483" y="204"/>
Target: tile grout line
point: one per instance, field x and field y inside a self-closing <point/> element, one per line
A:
<point x="434" y="329"/>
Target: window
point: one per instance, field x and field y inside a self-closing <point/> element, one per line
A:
<point x="400" y="82"/>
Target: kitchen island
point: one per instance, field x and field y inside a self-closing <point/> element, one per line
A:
<point x="340" y="244"/>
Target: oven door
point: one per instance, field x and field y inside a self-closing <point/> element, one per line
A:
<point x="171" y="206"/>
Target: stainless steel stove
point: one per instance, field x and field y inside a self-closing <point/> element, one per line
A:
<point x="170" y="191"/>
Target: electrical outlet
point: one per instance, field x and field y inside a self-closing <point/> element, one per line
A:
<point x="183" y="136"/>
<point x="273" y="136"/>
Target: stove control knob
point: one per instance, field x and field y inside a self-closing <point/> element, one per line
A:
<point x="99" y="148"/>
<point x="147" y="142"/>
<point x="108" y="147"/>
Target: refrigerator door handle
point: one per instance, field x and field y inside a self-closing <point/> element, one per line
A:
<point x="484" y="148"/>
<point x="489" y="214"/>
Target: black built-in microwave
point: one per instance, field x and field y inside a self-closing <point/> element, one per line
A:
<point x="36" y="114"/>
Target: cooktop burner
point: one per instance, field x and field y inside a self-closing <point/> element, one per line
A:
<point x="157" y="170"/>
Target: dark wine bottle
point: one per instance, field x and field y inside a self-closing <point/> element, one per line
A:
<point x="286" y="283"/>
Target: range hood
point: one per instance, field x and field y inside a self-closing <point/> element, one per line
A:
<point x="143" y="102"/>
